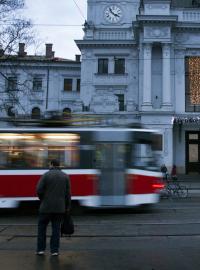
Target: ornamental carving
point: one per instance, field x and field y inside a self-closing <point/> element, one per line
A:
<point x="157" y="32"/>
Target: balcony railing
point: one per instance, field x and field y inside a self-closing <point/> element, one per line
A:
<point x="191" y="15"/>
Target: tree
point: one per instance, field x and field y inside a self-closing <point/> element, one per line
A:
<point x="14" y="29"/>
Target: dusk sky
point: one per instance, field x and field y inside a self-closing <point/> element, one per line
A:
<point x="58" y="14"/>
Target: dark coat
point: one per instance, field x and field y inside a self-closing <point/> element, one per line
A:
<point x="53" y="190"/>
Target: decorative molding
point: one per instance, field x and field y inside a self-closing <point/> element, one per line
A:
<point x="157" y="32"/>
<point x="104" y="102"/>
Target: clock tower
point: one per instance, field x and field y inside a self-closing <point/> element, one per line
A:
<point x="109" y="71"/>
<point x="106" y="12"/>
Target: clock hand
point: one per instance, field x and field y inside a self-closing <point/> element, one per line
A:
<point x="115" y="14"/>
<point x="112" y="11"/>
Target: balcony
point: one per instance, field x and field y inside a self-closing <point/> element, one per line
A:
<point x="187" y="15"/>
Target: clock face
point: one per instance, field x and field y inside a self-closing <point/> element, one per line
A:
<point x="113" y="14"/>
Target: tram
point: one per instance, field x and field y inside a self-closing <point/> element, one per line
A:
<point x="108" y="167"/>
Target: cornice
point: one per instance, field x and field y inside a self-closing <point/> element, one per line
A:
<point x="105" y="43"/>
<point x="161" y="19"/>
<point x="185" y="26"/>
<point x="36" y="66"/>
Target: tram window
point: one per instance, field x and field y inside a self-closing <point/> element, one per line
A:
<point x="103" y="155"/>
<point x="36" y="150"/>
<point x="142" y="155"/>
<point x="111" y="155"/>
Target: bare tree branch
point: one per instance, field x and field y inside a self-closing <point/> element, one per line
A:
<point x="14" y="29"/>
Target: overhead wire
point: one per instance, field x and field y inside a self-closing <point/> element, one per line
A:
<point x="81" y="12"/>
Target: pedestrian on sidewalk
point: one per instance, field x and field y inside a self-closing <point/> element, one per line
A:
<point x="174" y="173"/>
<point x="53" y="190"/>
<point x="164" y="171"/>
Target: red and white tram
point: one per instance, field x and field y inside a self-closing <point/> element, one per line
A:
<point x="108" y="167"/>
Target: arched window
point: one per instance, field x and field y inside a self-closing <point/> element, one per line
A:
<point x="10" y="111"/>
<point x="35" y="114"/>
<point x="66" y="113"/>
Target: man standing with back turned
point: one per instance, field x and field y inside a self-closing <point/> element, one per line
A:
<point x="53" y="191"/>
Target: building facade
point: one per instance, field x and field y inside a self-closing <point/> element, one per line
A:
<point x="140" y="63"/>
<point x="34" y="86"/>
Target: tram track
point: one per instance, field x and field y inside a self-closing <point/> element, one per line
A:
<point x="106" y="230"/>
<point x="108" y="223"/>
<point x="109" y="236"/>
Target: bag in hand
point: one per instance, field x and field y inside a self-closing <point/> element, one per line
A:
<point x="67" y="225"/>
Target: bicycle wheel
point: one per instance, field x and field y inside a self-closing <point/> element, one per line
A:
<point x="183" y="192"/>
<point x="172" y="193"/>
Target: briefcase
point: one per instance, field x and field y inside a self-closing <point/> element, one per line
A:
<point x="67" y="225"/>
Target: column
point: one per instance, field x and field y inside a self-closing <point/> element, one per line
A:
<point x="166" y="76"/>
<point x="147" y="53"/>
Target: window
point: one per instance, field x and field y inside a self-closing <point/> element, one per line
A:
<point x="10" y="111"/>
<point x="66" y="113"/>
<point x="103" y="66"/>
<point x="37" y="83"/>
<point x="35" y="113"/>
<point x="12" y="83"/>
<point x="121" y="102"/>
<point x="35" y="150"/>
<point x="67" y="84"/>
<point x="78" y="84"/>
<point x="195" y="3"/>
<point x="119" y="66"/>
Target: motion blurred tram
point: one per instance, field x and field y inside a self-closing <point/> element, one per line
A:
<point x="108" y="167"/>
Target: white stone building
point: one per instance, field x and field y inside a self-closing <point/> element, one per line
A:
<point x="33" y="86"/>
<point x="138" y="62"/>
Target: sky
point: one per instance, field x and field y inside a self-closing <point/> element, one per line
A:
<point x="59" y="13"/>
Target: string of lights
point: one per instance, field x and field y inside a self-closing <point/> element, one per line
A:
<point x="194" y="79"/>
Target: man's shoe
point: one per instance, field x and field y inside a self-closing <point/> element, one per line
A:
<point x="54" y="254"/>
<point x="40" y="253"/>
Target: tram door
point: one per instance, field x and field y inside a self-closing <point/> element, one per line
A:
<point x="112" y="178"/>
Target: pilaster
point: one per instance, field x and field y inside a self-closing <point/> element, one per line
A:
<point x="166" y="77"/>
<point x="147" y="57"/>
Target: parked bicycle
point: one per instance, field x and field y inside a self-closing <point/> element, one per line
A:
<point x="173" y="189"/>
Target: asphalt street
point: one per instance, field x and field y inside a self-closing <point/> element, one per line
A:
<point x="167" y="237"/>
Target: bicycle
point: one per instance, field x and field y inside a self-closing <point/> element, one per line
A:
<point x="173" y="189"/>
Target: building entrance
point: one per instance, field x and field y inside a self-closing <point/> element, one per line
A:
<point x="192" y="152"/>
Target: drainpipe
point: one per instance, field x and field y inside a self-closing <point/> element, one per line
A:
<point x="47" y="93"/>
